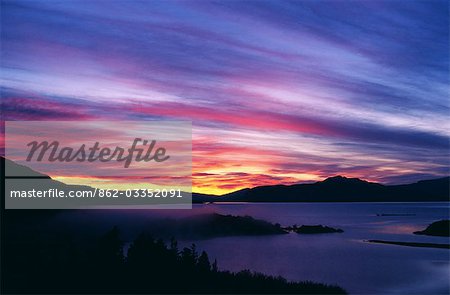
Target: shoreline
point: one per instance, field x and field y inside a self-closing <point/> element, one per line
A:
<point x="411" y="244"/>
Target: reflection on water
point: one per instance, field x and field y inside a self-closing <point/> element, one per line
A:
<point x="399" y="229"/>
<point x="342" y="259"/>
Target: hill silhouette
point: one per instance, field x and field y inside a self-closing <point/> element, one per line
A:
<point x="333" y="189"/>
<point x="343" y="189"/>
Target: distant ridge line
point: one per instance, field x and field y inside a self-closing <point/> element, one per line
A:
<point x="332" y="189"/>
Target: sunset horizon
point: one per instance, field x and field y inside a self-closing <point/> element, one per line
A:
<point x="219" y="192"/>
<point x="284" y="101"/>
<point x="225" y="147"/>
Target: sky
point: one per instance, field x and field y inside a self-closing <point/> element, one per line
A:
<point x="278" y="92"/>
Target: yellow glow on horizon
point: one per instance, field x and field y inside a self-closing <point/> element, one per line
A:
<point x="213" y="190"/>
<point x="111" y="184"/>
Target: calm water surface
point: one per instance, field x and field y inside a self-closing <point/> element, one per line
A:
<point x="342" y="259"/>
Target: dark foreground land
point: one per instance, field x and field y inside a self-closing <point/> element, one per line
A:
<point x="46" y="263"/>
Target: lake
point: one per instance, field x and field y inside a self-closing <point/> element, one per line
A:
<point x="344" y="259"/>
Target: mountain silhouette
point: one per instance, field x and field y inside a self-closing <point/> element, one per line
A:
<point x="13" y="169"/>
<point x="343" y="189"/>
<point x="31" y="180"/>
<point x="333" y="189"/>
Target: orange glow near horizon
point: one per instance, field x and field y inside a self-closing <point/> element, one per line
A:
<point x="351" y="98"/>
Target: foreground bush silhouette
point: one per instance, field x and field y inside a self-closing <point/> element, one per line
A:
<point x="37" y="264"/>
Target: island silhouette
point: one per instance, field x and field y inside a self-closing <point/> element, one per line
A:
<point x="439" y="228"/>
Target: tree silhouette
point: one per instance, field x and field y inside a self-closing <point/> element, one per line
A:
<point x="110" y="249"/>
<point x="140" y="253"/>
<point x="203" y="263"/>
<point x="215" y="268"/>
<point x="149" y="267"/>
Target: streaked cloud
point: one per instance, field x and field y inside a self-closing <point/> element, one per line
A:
<point x="278" y="92"/>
